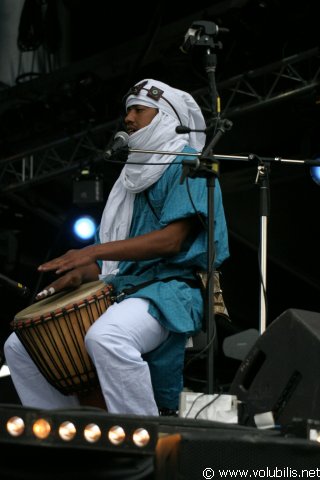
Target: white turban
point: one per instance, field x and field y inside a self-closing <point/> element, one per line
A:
<point x="178" y="104"/>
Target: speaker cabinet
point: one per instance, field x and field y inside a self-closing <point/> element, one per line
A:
<point x="281" y="373"/>
<point x="98" y="464"/>
<point x="240" y="452"/>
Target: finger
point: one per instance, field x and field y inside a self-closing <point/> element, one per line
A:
<point x="52" y="264"/>
<point x="48" y="266"/>
<point x="66" y="267"/>
<point x="45" y="293"/>
<point x="55" y="262"/>
<point x="58" y="266"/>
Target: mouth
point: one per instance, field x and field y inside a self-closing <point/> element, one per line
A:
<point x="131" y="130"/>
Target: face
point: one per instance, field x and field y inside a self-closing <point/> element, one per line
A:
<point x="139" y="116"/>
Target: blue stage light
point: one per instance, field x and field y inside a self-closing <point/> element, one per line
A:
<point x="315" y="173"/>
<point x="84" y="227"/>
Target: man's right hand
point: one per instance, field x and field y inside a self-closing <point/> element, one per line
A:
<point x="72" y="279"/>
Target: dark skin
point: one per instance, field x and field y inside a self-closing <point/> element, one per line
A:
<point x="79" y="266"/>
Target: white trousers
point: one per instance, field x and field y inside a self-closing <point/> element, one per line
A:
<point x="115" y="342"/>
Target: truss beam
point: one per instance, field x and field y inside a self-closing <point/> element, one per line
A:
<point x="243" y="93"/>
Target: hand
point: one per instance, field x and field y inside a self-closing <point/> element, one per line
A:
<point x="71" y="259"/>
<point x="71" y="279"/>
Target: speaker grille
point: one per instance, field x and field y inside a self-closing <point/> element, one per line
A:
<point x="281" y="373"/>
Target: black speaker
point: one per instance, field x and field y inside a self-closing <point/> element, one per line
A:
<point x="230" y="451"/>
<point x="281" y="373"/>
<point x="98" y="465"/>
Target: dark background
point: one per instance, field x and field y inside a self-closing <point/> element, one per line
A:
<point x="109" y="47"/>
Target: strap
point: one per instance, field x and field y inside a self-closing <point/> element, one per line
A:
<point x="193" y="283"/>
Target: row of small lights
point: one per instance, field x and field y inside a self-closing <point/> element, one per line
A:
<point x="67" y="431"/>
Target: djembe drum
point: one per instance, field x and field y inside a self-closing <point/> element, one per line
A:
<point x="53" y="330"/>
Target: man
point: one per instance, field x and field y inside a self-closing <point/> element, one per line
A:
<point x="153" y="230"/>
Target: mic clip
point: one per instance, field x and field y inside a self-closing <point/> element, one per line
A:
<point x="188" y="167"/>
<point x="203" y="167"/>
<point x="118" y="154"/>
<point x="201" y="34"/>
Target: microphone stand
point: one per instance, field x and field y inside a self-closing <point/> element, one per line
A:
<point x="209" y="168"/>
<point x="202" y="35"/>
<point x="262" y="179"/>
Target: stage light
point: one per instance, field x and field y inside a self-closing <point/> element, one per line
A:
<point x="75" y="428"/>
<point x="116" y="435"/>
<point x="41" y="428"/>
<point x="87" y="188"/>
<point x="15" y="426"/>
<point x="92" y="433"/>
<point x="88" y="198"/>
<point x="315" y="172"/>
<point x="141" y="437"/>
<point x="84" y="227"/>
<point x="67" y="431"/>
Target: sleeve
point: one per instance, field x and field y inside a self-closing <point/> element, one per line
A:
<point x="191" y="198"/>
<point x="184" y="200"/>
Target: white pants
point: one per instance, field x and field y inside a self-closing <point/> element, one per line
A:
<point x="115" y="343"/>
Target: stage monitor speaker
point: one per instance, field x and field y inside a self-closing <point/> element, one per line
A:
<point x="65" y="463"/>
<point x="227" y="452"/>
<point x="281" y="373"/>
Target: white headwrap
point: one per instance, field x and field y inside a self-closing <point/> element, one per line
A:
<point x="176" y="107"/>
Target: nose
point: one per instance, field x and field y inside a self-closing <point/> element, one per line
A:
<point x="129" y="117"/>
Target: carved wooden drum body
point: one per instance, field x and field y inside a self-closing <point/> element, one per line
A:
<point x="53" y="330"/>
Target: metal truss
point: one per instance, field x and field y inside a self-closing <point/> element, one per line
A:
<point x="246" y="92"/>
<point x="54" y="159"/>
<point x="272" y="83"/>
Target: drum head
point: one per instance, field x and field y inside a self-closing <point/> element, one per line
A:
<point x="62" y="300"/>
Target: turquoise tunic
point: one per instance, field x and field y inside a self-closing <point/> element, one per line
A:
<point x="175" y="303"/>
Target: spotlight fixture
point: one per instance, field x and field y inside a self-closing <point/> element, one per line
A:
<point x="67" y="431"/>
<point x="78" y="429"/>
<point x="92" y="433"/>
<point x="84" y="227"/>
<point x="116" y="435"/>
<point x="315" y="173"/>
<point x="87" y="188"/>
<point x="15" y="426"/>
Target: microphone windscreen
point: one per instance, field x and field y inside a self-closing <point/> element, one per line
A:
<point x="182" y="129"/>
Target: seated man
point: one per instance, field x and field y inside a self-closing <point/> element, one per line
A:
<point x="153" y="229"/>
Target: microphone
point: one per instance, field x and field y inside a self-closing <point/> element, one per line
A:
<point x="184" y="129"/>
<point x="120" y="140"/>
<point x="22" y="290"/>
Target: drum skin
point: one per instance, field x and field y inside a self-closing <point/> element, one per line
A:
<point x="53" y="330"/>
